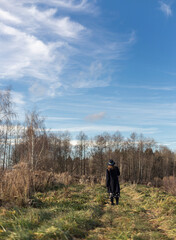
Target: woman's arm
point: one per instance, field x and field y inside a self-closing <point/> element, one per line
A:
<point x="107" y="178"/>
<point x="118" y="172"/>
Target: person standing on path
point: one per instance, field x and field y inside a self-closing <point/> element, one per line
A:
<point x="112" y="181"/>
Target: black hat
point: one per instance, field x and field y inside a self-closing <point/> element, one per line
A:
<point x="111" y="162"/>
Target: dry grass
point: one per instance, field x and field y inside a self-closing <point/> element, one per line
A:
<point x="169" y="184"/>
<point x="84" y="179"/>
<point x="20" y="183"/>
<point x="67" y="179"/>
<point x="157" y="182"/>
<point x="17" y="185"/>
<point x="64" y="178"/>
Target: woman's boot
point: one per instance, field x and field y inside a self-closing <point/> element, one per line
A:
<point x="112" y="201"/>
<point x="117" y="200"/>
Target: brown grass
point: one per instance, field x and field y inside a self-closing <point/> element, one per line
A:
<point x="157" y="182"/>
<point x="67" y="179"/>
<point x="169" y="184"/>
<point x="64" y="178"/>
<point x="18" y="185"/>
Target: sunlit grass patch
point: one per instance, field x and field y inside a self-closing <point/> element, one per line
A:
<point x="159" y="207"/>
<point x="131" y="219"/>
<point x="81" y="217"/>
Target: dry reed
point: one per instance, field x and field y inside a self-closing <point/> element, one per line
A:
<point x="169" y="184"/>
<point x="18" y="185"/>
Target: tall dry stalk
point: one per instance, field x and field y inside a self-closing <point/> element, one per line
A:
<point x="19" y="184"/>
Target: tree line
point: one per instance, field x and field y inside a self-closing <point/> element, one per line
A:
<point x="139" y="158"/>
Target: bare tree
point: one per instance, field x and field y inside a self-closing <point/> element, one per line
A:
<point x="81" y="149"/>
<point x="66" y="150"/>
<point x="34" y="139"/>
<point x="6" y="116"/>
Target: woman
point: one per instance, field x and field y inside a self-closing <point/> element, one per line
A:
<point x="112" y="182"/>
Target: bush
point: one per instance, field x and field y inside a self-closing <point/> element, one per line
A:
<point x="157" y="182"/>
<point x="169" y="184"/>
<point x="18" y="185"/>
<point x="64" y="178"/>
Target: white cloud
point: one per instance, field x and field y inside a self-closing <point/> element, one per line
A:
<point x="92" y="77"/>
<point x="17" y="98"/>
<point x="106" y="49"/>
<point x="62" y="26"/>
<point x="158" y="88"/>
<point x="107" y="128"/>
<point x="27" y="45"/>
<point x="6" y="16"/>
<point x="60" y="118"/>
<point x="45" y="48"/>
<point x="71" y="5"/>
<point x="35" y="45"/>
<point x="38" y="90"/>
<point x="165" y="8"/>
<point x="96" y="116"/>
<point x="19" y="104"/>
<point x="25" y="55"/>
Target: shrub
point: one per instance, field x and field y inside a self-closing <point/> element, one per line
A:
<point x="18" y="184"/>
<point x="157" y="182"/>
<point x="169" y="184"/>
<point x="64" y="178"/>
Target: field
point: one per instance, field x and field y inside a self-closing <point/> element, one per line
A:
<point x="83" y="212"/>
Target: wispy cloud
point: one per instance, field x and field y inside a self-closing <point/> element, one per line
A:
<point x="101" y="54"/>
<point x="71" y="5"/>
<point x="107" y="128"/>
<point x="60" y="118"/>
<point x="44" y="48"/>
<point x="35" y="44"/>
<point x="95" y="117"/>
<point x="17" y="98"/>
<point x="158" y="88"/>
<point x="19" y="104"/>
<point x="93" y="76"/>
<point x="5" y="15"/>
<point x="165" y="8"/>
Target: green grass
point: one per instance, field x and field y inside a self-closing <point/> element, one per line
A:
<point x="84" y="212"/>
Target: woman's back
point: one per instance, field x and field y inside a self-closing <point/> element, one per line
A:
<point x="112" y="181"/>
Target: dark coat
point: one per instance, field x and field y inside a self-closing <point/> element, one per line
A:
<point x="112" y="181"/>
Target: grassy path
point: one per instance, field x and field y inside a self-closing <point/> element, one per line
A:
<point x="83" y="212"/>
<point x="143" y="213"/>
<point x="68" y="213"/>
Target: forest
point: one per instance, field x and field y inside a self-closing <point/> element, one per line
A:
<point x="140" y="159"/>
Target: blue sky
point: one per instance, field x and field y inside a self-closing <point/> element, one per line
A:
<point x="94" y="65"/>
